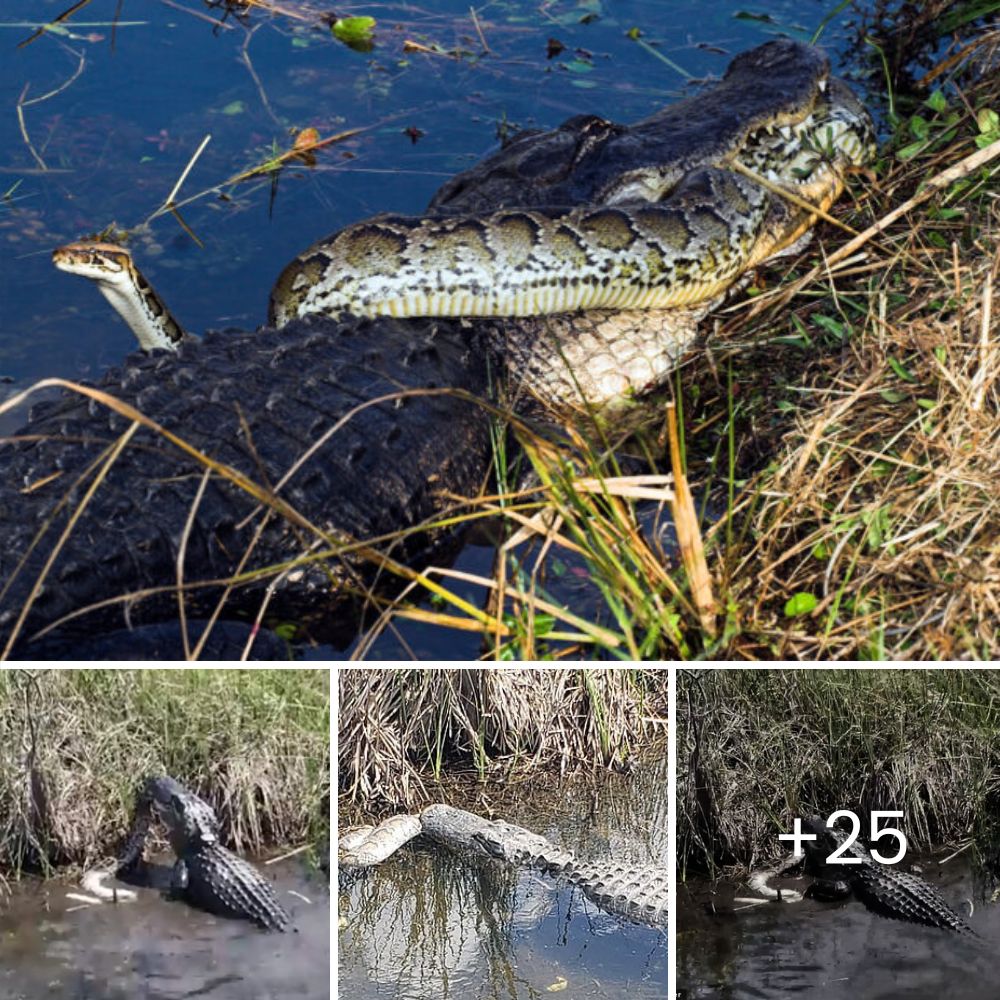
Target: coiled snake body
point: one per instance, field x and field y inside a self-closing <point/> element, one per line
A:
<point x="658" y="220"/>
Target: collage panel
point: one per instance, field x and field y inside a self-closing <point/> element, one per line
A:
<point x="503" y="833"/>
<point x="642" y="330"/>
<point x="164" y="834"/>
<point x="837" y="833"/>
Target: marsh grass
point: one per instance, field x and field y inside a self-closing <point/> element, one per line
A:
<point x="846" y="424"/>
<point x="75" y="744"/>
<point x="760" y="747"/>
<point x="400" y="730"/>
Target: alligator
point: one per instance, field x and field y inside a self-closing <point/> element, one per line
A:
<point x="206" y="874"/>
<point x="363" y="434"/>
<point x="882" y="888"/>
<point x="637" y="893"/>
<point x="296" y="410"/>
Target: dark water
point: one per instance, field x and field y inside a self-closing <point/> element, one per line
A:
<point x="426" y="925"/>
<point x="53" y="948"/>
<point x="833" y="951"/>
<point x="111" y="143"/>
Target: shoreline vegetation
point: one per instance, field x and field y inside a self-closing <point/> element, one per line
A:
<point x="757" y="748"/>
<point x="75" y="745"/>
<point x="404" y="731"/>
<point x="842" y="428"/>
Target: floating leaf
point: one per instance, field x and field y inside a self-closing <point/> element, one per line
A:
<point x="559" y="985"/>
<point x="801" y="603"/>
<point x="306" y="138"/>
<point x="234" y="108"/>
<point x="355" y="32"/>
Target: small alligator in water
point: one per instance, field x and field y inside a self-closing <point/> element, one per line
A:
<point x="206" y="874"/>
<point x="882" y="888"/>
<point x="636" y="892"/>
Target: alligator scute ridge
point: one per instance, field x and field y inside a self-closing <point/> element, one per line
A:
<point x="206" y="874"/>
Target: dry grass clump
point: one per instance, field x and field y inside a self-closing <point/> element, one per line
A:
<point x="758" y="748"/>
<point x="399" y="729"/>
<point x="74" y="746"/>
<point x="878" y="516"/>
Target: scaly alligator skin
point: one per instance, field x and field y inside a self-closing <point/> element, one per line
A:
<point x="261" y="403"/>
<point x="882" y="888"/>
<point x="206" y="874"/>
<point x="264" y="403"/>
<point x="638" y="893"/>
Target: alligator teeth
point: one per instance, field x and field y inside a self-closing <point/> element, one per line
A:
<point x="822" y="86"/>
<point x="786" y="132"/>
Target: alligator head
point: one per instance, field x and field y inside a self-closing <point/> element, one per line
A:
<point x="773" y="91"/>
<point x="189" y="819"/>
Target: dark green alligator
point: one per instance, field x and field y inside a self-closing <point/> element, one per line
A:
<point x="884" y="889"/>
<point x="205" y="874"/>
<point x="367" y="432"/>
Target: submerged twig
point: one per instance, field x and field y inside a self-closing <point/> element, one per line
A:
<point x="65" y="15"/>
<point x="22" y="104"/>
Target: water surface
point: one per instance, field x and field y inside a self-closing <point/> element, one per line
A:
<point x="834" y="951"/>
<point x="53" y="948"/>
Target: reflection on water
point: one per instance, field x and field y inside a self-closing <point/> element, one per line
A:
<point x="156" y="949"/>
<point x="837" y="952"/>
<point x="428" y="924"/>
